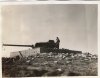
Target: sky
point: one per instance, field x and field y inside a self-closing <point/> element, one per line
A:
<point x="74" y="24"/>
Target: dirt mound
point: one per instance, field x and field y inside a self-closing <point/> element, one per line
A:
<point x="49" y="64"/>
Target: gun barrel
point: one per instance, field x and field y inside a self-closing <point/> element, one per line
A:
<point x="18" y="45"/>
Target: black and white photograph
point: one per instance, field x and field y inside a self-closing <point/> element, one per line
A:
<point x="49" y="40"/>
<point x="42" y="0"/>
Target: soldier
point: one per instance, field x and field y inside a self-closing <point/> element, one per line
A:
<point x="57" y="42"/>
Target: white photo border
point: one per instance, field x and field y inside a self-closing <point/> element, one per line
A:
<point x="53" y="2"/>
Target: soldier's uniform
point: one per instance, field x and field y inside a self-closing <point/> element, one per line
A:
<point x="57" y="42"/>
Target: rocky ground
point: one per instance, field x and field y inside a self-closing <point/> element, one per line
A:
<point x="49" y="64"/>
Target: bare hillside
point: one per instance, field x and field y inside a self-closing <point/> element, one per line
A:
<point x="50" y="64"/>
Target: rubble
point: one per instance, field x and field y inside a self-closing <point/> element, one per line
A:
<point x="49" y="64"/>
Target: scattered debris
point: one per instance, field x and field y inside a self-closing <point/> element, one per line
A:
<point x="48" y="64"/>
